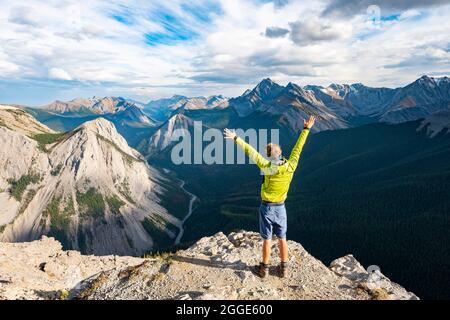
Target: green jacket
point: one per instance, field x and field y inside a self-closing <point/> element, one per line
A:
<point x="277" y="177"/>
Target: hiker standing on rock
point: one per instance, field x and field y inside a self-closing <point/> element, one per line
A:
<point x="277" y="173"/>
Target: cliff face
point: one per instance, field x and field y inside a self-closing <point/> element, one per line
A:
<point x="217" y="267"/>
<point x="86" y="187"/>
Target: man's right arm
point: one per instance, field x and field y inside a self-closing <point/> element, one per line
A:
<point x="254" y="155"/>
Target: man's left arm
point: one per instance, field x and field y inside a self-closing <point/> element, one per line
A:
<point x="298" y="148"/>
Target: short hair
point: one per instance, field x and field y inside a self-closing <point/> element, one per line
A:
<point x="272" y="149"/>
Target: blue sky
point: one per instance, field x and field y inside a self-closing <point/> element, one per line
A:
<point x="151" y="49"/>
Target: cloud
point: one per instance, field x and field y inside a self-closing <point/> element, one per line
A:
<point x="346" y="8"/>
<point x="276" y="32"/>
<point x="276" y="3"/>
<point x="23" y="15"/>
<point x="424" y="57"/>
<point x="310" y="31"/>
<point x="408" y="14"/>
<point x="219" y="77"/>
<point x="58" y="73"/>
<point x="7" y="68"/>
<point x="146" y="49"/>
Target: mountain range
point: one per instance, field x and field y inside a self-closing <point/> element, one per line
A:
<point x="163" y="109"/>
<point x="337" y="106"/>
<point x="270" y="105"/>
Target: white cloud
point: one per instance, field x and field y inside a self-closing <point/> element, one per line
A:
<point x="7" y="68"/>
<point x="412" y="13"/>
<point x="24" y="16"/>
<point x="58" y="73"/>
<point x="79" y="40"/>
<point x="316" y="30"/>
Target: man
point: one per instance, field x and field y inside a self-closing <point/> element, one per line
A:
<point x="277" y="173"/>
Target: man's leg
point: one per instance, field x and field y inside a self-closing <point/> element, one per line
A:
<point x="284" y="254"/>
<point x="281" y="230"/>
<point x="267" y="244"/>
<point x="265" y="228"/>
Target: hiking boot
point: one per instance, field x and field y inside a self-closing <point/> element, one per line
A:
<point x="282" y="270"/>
<point x="262" y="270"/>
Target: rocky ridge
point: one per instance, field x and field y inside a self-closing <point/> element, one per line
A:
<point x="214" y="268"/>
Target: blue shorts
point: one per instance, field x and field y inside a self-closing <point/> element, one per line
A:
<point x="272" y="220"/>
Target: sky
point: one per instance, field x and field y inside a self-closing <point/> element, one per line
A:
<point x="145" y="50"/>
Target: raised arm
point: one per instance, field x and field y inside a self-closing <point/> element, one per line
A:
<point x="297" y="150"/>
<point x="254" y="155"/>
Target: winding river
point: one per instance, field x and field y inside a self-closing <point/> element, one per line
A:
<point x="191" y="206"/>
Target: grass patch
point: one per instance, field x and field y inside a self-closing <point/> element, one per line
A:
<point x="160" y="221"/>
<point x="63" y="294"/>
<point x="59" y="221"/>
<point x="160" y="255"/>
<point x="43" y="139"/>
<point x="93" y="287"/>
<point x="18" y="187"/>
<point x="159" y="236"/>
<point x="124" y="189"/>
<point x="114" y="204"/>
<point x="3" y="124"/>
<point x="30" y="195"/>
<point x="69" y="209"/>
<point x="91" y="203"/>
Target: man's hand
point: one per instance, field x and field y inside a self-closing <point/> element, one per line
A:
<point x="229" y="134"/>
<point x="308" y="124"/>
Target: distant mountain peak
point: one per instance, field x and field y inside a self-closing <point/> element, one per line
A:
<point x="292" y="85"/>
<point x="295" y="89"/>
<point x="337" y="86"/>
<point x="267" y="80"/>
<point x="313" y="87"/>
<point x="267" y="88"/>
<point x="426" y="80"/>
<point x="425" y="77"/>
<point x="266" y="84"/>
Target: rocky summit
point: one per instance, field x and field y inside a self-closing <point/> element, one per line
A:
<point x="215" y="268"/>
